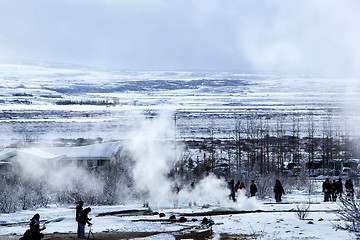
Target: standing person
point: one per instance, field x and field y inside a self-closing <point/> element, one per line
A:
<point x="278" y="190"/>
<point x="35" y="227"/>
<point x="326" y="188"/>
<point x="175" y="192"/>
<point x="146" y="195"/>
<point x="232" y="190"/>
<point x="83" y="220"/>
<point x="242" y="186"/>
<point x="333" y="191"/>
<point x="191" y="190"/>
<point x="240" y="190"/>
<point x="79" y="208"/>
<point x="237" y="185"/>
<point x="339" y="188"/>
<point x="253" y="189"/>
<point x="349" y="188"/>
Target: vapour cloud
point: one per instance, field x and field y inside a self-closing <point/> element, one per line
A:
<point x="151" y="146"/>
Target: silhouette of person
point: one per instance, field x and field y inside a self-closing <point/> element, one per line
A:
<point x="278" y="190"/>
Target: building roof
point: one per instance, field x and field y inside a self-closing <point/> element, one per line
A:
<point x="7" y="153"/>
<point x="94" y="151"/>
<point x="100" y="151"/>
<point x="38" y="153"/>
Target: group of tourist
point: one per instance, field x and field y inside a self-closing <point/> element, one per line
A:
<point x="34" y="233"/>
<point x="334" y="189"/>
<point x="240" y="186"/>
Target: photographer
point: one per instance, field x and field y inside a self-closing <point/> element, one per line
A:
<point x="83" y="220"/>
<point x="35" y="227"/>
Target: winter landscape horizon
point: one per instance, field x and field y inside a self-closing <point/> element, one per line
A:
<point x="159" y="114"/>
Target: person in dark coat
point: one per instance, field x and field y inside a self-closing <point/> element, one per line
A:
<point x="83" y="220"/>
<point x="232" y="190"/>
<point x="278" y="190"/>
<point x="35" y="227"/>
<point x="253" y="189"/>
<point x="237" y="185"/>
<point x="326" y="188"/>
<point x="349" y="188"/>
<point x="339" y="188"/>
<point x="79" y="208"/>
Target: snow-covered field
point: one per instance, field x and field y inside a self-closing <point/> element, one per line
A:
<point x="198" y="101"/>
<point x="271" y="221"/>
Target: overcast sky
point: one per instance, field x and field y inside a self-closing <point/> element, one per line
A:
<point x="321" y="36"/>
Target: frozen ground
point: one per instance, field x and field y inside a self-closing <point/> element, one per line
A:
<point x="199" y="100"/>
<point x="202" y="102"/>
<point x="260" y="219"/>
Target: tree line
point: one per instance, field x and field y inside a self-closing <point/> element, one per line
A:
<point x="261" y="145"/>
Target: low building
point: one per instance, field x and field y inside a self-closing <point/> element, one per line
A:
<point x="92" y="156"/>
<point x="89" y="156"/>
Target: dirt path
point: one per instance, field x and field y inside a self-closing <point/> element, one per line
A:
<point x="197" y="235"/>
<point x="96" y="236"/>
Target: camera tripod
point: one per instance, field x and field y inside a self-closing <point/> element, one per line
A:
<point x="90" y="232"/>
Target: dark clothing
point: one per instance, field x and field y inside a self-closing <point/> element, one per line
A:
<point x="176" y="189"/>
<point x="253" y="189"/>
<point x="83" y="220"/>
<point x="326" y="188"/>
<point x="338" y="188"/>
<point x="27" y="235"/>
<point x="35" y="229"/>
<point x="232" y="190"/>
<point x="349" y="188"/>
<point x="237" y="185"/>
<point x="278" y="190"/>
<point x="79" y="208"/>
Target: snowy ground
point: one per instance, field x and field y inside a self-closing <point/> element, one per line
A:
<point x="273" y="221"/>
<point x="201" y="101"/>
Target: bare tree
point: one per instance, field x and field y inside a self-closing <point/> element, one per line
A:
<point x="310" y="148"/>
<point x="350" y="213"/>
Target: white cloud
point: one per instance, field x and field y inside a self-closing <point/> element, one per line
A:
<point x="303" y="36"/>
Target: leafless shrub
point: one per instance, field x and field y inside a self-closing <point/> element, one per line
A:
<point x="302" y="211"/>
<point x="350" y="213"/>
